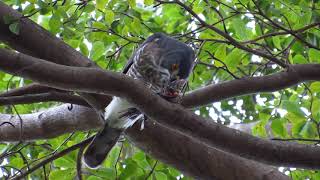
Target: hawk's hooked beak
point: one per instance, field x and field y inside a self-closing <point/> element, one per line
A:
<point x="174" y="88"/>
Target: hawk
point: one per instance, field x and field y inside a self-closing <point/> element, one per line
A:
<point x="163" y="64"/>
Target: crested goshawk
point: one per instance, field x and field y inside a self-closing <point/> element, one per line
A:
<point x="163" y="64"/>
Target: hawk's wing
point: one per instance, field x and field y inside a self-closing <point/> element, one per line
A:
<point x="131" y="60"/>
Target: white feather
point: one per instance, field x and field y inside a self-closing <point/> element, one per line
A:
<point x="115" y="109"/>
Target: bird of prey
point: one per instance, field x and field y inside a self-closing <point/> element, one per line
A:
<point x="163" y="64"/>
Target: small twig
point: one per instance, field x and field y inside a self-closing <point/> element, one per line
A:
<point x="118" y="159"/>
<point x="225" y="66"/>
<point x="296" y="139"/>
<point x="118" y="50"/>
<point x="297" y="36"/>
<point x="63" y="143"/>
<point x="225" y="35"/>
<point x="79" y="163"/>
<point x="53" y="157"/>
<point x="70" y="107"/>
<point x="152" y="170"/>
<point x="44" y="172"/>
<point x="21" y="123"/>
<point x="4" y="123"/>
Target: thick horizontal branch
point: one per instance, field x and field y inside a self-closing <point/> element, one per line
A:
<point x="43" y="97"/>
<point x="28" y="89"/>
<point x="33" y="40"/>
<point x="99" y="81"/>
<point x="207" y="162"/>
<point x="274" y="82"/>
<point x="36" y="41"/>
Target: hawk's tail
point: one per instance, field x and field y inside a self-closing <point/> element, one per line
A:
<point x="101" y="146"/>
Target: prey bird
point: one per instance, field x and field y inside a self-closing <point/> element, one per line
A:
<point x="163" y="64"/>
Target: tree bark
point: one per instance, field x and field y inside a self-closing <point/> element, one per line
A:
<point x="183" y="152"/>
<point x="216" y="135"/>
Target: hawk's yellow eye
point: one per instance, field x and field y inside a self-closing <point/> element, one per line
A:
<point x="174" y="67"/>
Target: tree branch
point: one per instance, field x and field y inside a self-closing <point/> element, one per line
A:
<point x="248" y="85"/>
<point x="43" y="97"/>
<point x="36" y="41"/>
<point x="53" y="157"/>
<point x="204" y="162"/>
<point x="28" y="89"/>
<point x="33" y="40"/>
<point x="90" y="80"/>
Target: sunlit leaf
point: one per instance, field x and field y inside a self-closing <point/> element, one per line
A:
<point x="278" y="128"/>
<point x="109" y="16"/>
<point x="15" y="28"/>
<point x="292" y="107"/>
<point x="101" y="4"/>
<point x="160" y="176"/>
<point x="314" y="55"/>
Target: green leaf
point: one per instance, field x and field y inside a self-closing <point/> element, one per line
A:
<point x="61" y="174"/>
<point x="65" y="162"/>
<point x="106" y="173"/>
<point x="160" y="176"/>
<point x="17" y="162"/>
<point x="136" y="26"/>
<point x="315" y="109"/>
<point x="130" y="170"/>
<point x="292" y="107"/>
<point x="315" y="87"/>
<point x="97" y="50"/>
<point x="99" y="25"/>
<point x="234" y="58"/>
<point x="132" y="3"/>
<point x="293" y="118"/>
<point x="100" y="4"/>
<point x="84" y="49"/>
<point x="259" y="129"/>
<point x="240" y="28"/>
<point x="299" y="59"/>
<point x="174" y="172"/>
<point x="89" y="8"/>
<point x="109" y="16"/>
<point x="308" y="130"/>
<point x="55" y="23"/>
<point x="140" y="159"/>
<point x="221" y="54"/>
<point x="278" y="128"/>
<point x="15" y="28"/>
<point x="148" y="2"/>
<point x="276" y="42"/>
<point x="314" y="55"/>
<point x="94" y="178"/>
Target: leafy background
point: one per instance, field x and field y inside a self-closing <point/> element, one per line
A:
<point x="107" y="31"/>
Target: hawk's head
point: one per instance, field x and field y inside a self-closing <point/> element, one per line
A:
<point x="176" y="58"/>
<point x="164" y="63"/>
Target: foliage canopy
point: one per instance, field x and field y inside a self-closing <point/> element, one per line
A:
<point x="108" y="31"/>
